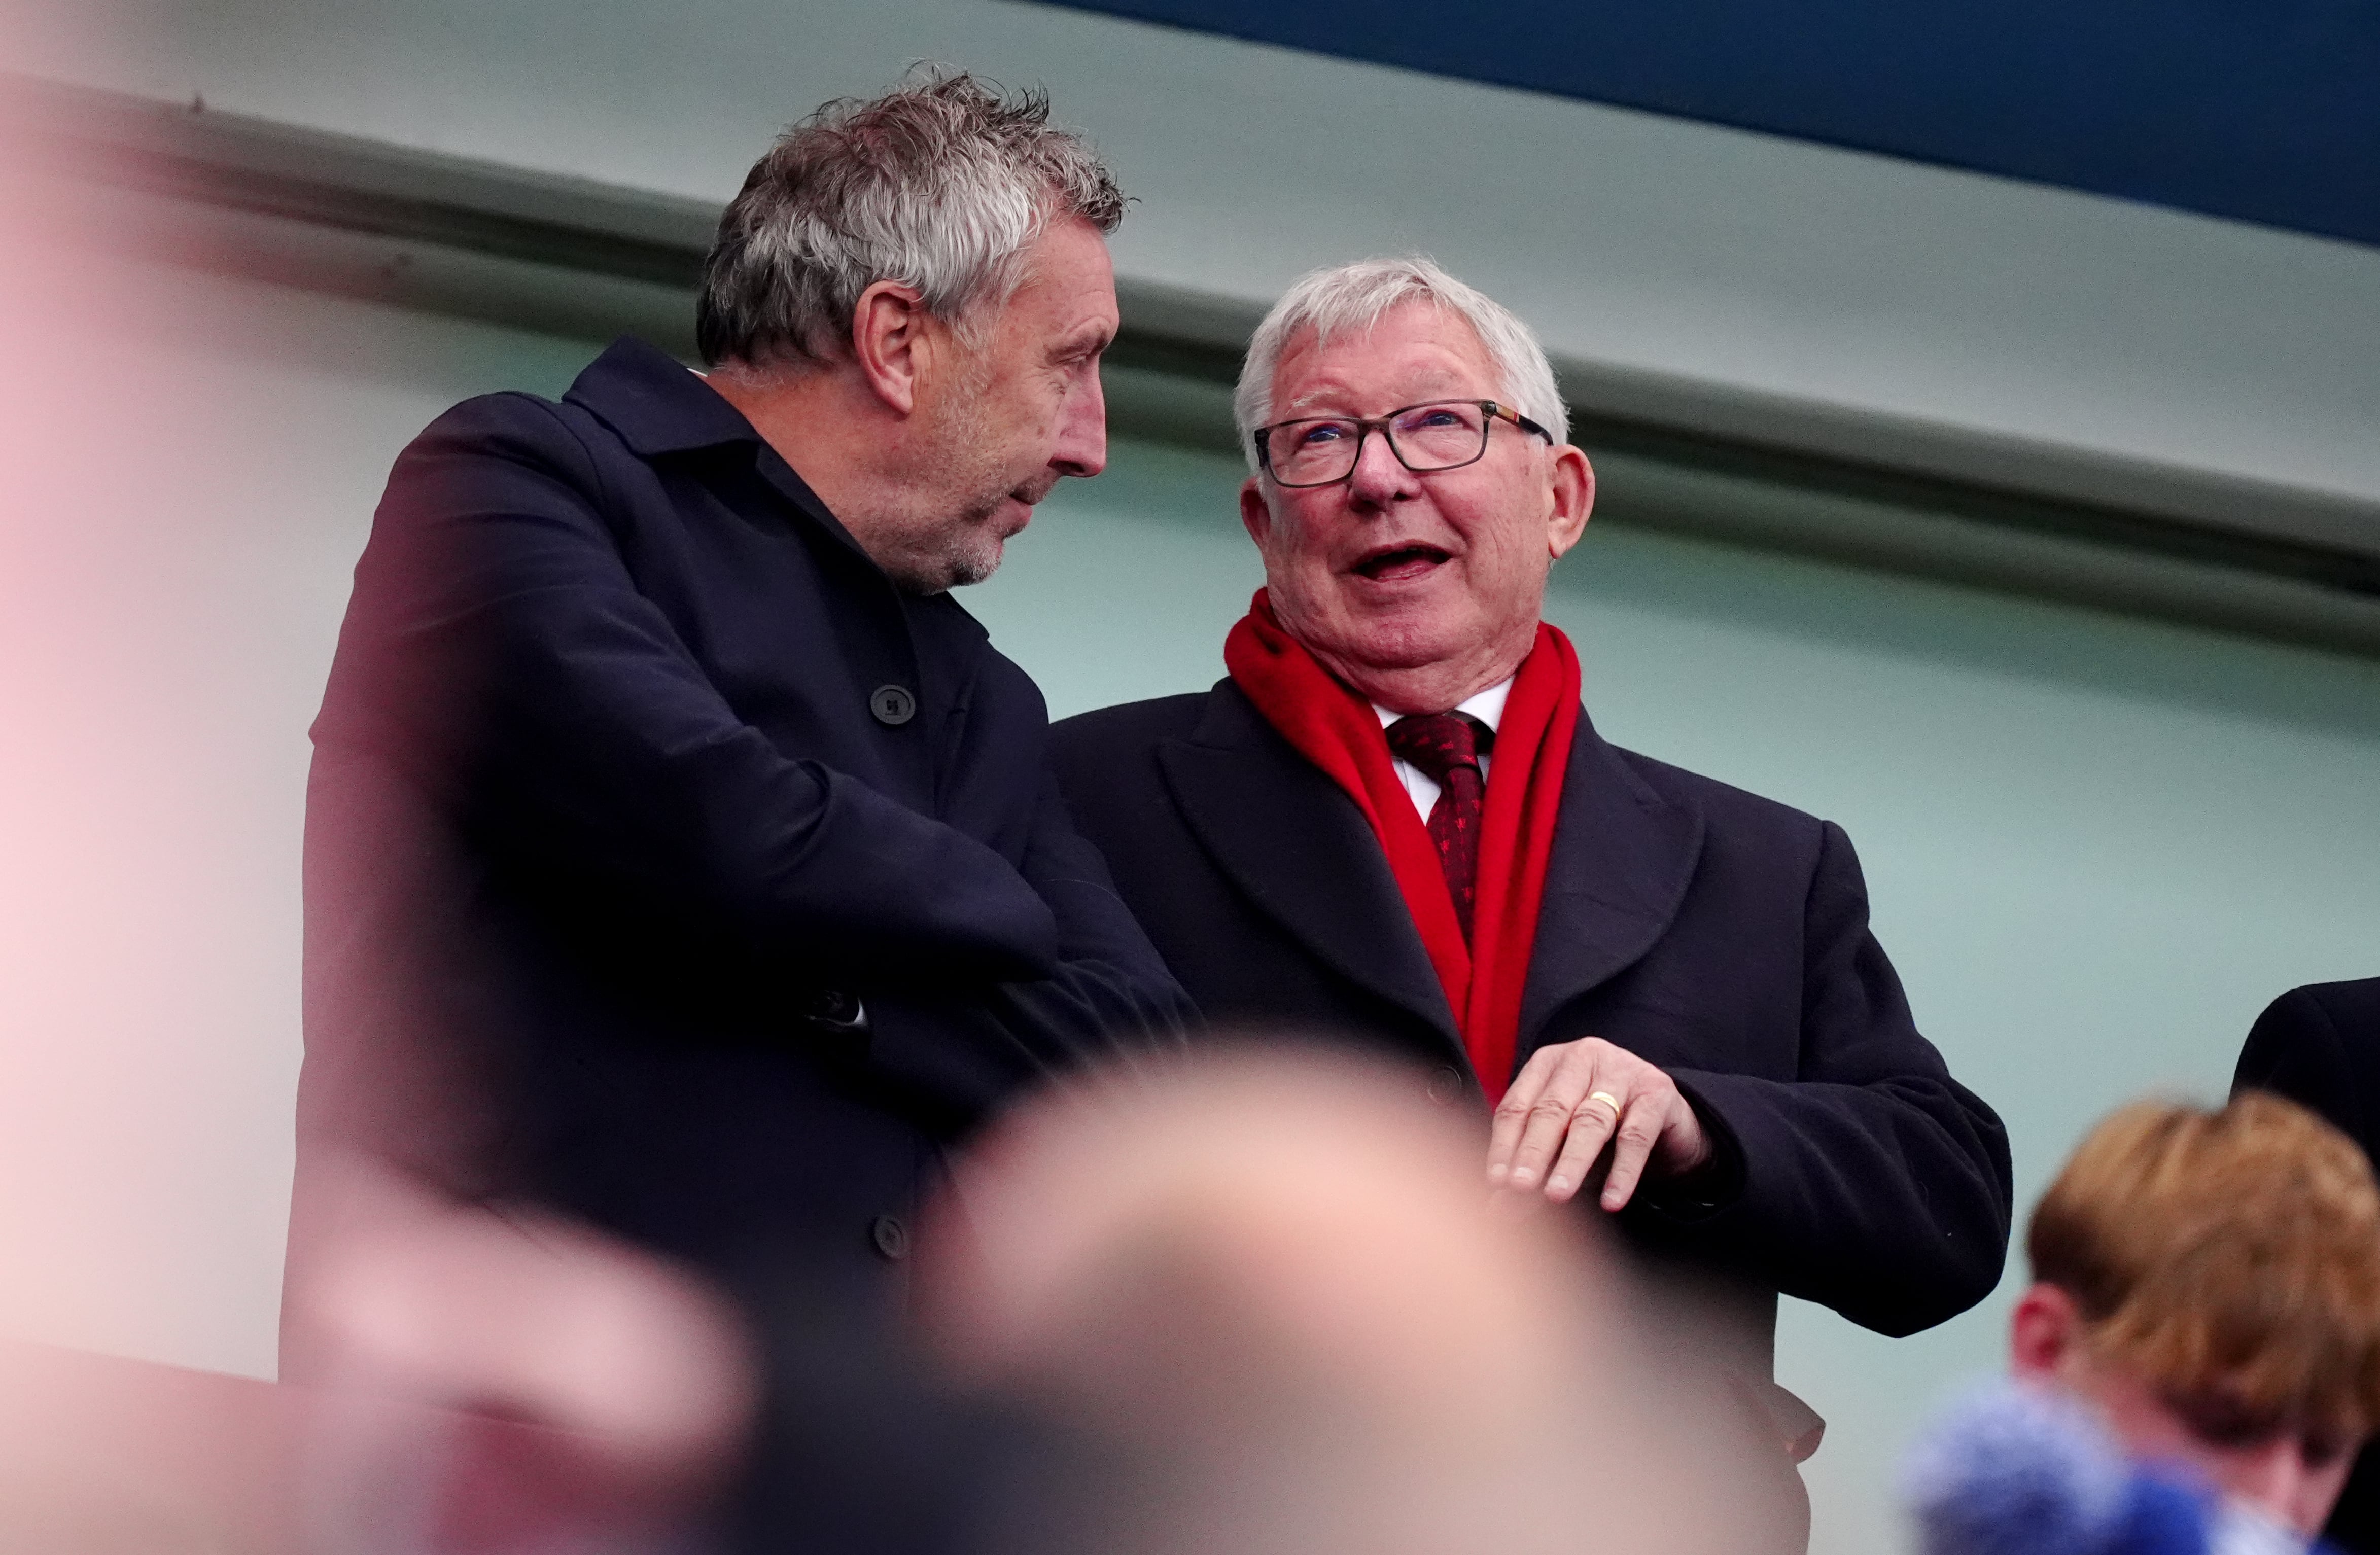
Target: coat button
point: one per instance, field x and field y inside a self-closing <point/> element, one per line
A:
<point x="1446" y="1085"/>
<point x="892" y="705"/>
<point x="892" y="1238"/>
<point x="836" y="1010"/>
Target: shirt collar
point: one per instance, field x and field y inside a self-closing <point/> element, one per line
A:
<point x="1487" y="706"/>
<point x="656" y="406"/>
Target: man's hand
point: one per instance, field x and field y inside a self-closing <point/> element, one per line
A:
<point x="1574" y="1098"/>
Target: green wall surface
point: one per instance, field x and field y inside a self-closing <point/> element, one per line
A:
<point x="2094" y="847"/>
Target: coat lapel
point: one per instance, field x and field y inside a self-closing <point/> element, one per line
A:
<point x="1285" y="836"/>
<point x="1623" y="857"/>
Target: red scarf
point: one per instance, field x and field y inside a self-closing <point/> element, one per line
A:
<point x="1336" y="729"/>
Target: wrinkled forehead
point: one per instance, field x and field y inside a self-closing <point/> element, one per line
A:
<point x="1416" y="350"/>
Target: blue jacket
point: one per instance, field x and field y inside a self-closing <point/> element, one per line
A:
<point x="669" y="867"/>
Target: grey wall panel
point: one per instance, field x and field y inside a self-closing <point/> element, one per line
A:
<point x="1707" y="257"/>
<point x="476" y="239"/>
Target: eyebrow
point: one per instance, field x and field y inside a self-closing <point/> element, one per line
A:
<point x="1427" y="396"/>
<point x="1091" y="340"/>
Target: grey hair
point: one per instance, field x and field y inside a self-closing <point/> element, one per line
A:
<point x="1344" y="299"/>
<point x="941" y="184"/>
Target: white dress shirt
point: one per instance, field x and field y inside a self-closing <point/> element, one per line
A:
<point x="1487" y="707"/>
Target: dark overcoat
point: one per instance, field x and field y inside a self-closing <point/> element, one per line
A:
<point x="666" y="865"/>
<point x="1718" y="935"/>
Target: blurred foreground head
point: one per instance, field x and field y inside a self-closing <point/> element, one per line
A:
<point x="1270" y="1307"/>
<point x="2210" y="1281"/>
<point x="1245" y="1307"/>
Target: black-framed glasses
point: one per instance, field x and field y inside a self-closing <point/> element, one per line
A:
<point x="1443" y="434"/>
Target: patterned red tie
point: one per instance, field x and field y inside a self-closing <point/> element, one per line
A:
<point x="1445" y="747"/>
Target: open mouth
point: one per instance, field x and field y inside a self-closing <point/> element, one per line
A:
<point x="1394" y="563"/>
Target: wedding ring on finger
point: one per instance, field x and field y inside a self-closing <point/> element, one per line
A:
<point x="1608" y="1101"/>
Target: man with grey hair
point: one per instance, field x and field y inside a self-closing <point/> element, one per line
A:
<point x="1393" y="823"/>
<point x="680" y="855"/>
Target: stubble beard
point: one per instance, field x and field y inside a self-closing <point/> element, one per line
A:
<point x="957" y="541"/>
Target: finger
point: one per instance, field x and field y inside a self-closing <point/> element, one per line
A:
<point x="1511" y="1118"/>
<point x="1547" y="1124"/>
<point x="1590" y="1129"/>
<point x="1636" y="1136"/>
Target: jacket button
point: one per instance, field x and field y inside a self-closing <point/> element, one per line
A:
<point x="892" y="705"/>
<point x="1446" y="1085"/>
<point x="836" y="1010"/>
<point x="892" y="1238"/>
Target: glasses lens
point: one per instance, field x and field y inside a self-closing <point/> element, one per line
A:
<point x="1312" y="453"/>
<point x="1440" y="436"/>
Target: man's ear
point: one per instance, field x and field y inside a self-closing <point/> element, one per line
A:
<point x="2043" y="1332"/>
<point x="1256" y="515"/>
<point x="1573" y="498"/>
<point x="890" y="342"/>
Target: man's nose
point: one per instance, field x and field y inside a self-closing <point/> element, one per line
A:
<point x="1379" y="476"/>
<point x="1082" y="447"/>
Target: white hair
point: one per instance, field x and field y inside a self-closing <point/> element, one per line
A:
<point x="1353" y="297"/>
<point x="941" y="184"/>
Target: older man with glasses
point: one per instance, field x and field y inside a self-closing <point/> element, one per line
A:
<point x="1393" y="823"/>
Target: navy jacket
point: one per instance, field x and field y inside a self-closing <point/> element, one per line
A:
<point x="667" y="865"/>
<point x="1719" y="935"/>
<point x="2319" y="1045"/>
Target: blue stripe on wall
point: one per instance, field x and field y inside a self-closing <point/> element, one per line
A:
<point x="2259" y="110"/>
